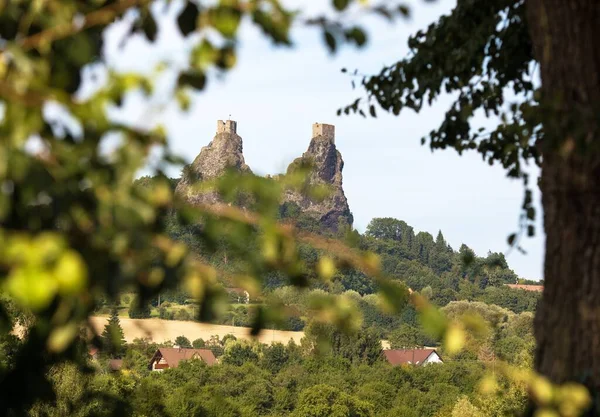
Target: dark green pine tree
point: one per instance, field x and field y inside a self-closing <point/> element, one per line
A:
<point x="113" y="338"/>
<point x="441" y="258"/>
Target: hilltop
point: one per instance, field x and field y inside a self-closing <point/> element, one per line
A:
<point x="225" y="153"/>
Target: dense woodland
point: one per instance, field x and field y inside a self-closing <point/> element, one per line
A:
<point x="425" y="264"/>
<point x="345" y="377"/>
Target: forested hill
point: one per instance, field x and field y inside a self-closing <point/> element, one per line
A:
<point x="424" y="263"/>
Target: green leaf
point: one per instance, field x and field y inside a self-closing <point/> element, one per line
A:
<point x="226" y="20"/>
<point x="433" y="321"/>
<point x="341" y="4"/>
<point x="356" y="35"/>
<point x="227" y="58"/>
<point x="149" y="27"/>
<point x="186" y="21"/>
<point x="330" y="41"/>
<point x="204" y="55"/>
<point x="394" y="295"/>
<point x="372" y="111"/>
<point x="194" y="79"/>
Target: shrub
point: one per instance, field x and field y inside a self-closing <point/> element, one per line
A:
<point x="182" y="314"/>
<point x="139" y="312"/>
<point x="165" y="314"/>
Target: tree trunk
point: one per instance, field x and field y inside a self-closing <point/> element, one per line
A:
<point x="566" y="43"/>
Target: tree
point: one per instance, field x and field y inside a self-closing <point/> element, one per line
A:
<point x="274" y="357"/>
<point x="183" y="342"/>
<point x="139" y="311"/>
<point x="408" y="337"/>
<point x="238" y="352"/>
<point x="499" y="46"/>
<point x="324" y="400"/>
<point x="113" y="338"/>
<point x="390" y="229"/>
<point x="198" y="344"/>
<point x="464" y="408"/>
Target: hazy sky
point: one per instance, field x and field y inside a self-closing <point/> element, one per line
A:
<point x="276" y="94"/>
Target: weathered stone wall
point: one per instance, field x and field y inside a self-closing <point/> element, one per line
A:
<point x="325" y="130"/>
<point x="326" y="169"/>
<point x="224" y="152"/>
<point x="227" y="126"/>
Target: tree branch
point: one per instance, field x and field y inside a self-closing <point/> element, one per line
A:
<point x="99" y="17"/>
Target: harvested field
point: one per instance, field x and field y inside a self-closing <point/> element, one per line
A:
<point x="162" y="330"/>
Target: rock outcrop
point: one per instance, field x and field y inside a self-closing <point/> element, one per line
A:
<point x="326" y="169"/>
<point x="325" y="161"/>
<point x="222" y="153"/>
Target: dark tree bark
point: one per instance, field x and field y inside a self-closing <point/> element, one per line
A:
<point x="566" y="41"/>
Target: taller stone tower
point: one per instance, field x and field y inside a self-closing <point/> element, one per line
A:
<point x="326" y="169"/>
<point x="324" y="130"/>
<point x="224" y="152"/>
<point x="228" y="126"/>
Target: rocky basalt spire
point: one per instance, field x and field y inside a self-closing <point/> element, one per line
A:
<point x="325" y="161"/>
<point x="326" y="169"/>
<point x="222" y="153"/>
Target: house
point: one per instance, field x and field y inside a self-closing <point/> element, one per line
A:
<point x="536" y="288"/>
<point x="165" y="358"/>
<point x="412" y="356"/>
<point x="93" y="352"/>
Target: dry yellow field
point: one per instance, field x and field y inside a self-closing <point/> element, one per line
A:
<point x="162" y="330"/>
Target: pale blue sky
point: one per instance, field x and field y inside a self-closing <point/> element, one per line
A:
<point x="276" y="94"/>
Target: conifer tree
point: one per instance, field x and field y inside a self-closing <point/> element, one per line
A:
<point x="113" y="337"/>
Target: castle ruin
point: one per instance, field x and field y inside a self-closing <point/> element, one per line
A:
<point x="325" y="130"/>
<point x="227" y="126"/>
<point x="225" y="152"/>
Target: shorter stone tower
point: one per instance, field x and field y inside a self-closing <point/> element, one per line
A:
<point x="321" y="129"/>
<point x="228" y="126"/>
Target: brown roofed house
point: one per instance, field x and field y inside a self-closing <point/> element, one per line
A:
<point x="412" y="356"/>
<point x="165" y="358"/>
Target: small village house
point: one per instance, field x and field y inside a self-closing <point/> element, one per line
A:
<point x="93" y="352"/>
<point x="166" y="358"/>
<point x="412" y="356"/>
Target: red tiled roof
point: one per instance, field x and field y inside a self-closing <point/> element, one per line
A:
<point x="538" y="288"/>
<point x="174" y="355"/>
<point x="405" y="356"/>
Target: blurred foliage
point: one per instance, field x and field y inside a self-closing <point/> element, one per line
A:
<point x="74" y="228"/>
<point x="491" y="70"/>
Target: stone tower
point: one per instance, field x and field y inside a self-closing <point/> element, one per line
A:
<point x="325" y="130"/>
<point x="228" y="126"/>
<point x="326" y="169"/>
<point x="224" y="152"/>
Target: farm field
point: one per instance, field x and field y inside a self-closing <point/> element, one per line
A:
<point x="160" y="331"/>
